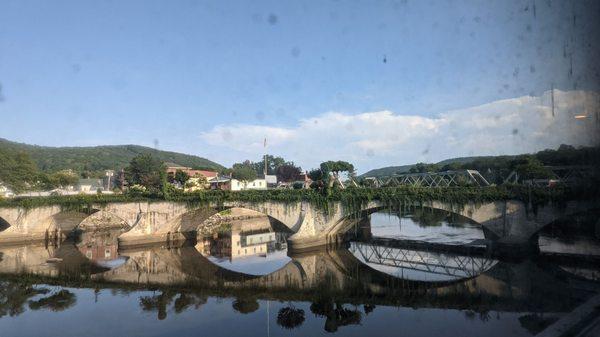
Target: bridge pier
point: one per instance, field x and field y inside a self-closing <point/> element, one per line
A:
<point x="511" y="247"/>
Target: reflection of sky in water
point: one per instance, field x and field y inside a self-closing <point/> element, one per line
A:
<point x="255" y="264"/>
<point x="118" y="313"/>
<point x="391" y="226"/>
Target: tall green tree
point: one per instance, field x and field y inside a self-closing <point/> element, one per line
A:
<point x="63" y="178"/>
<point x="334" y="168"/>
<point x="181" y="177"/>
<point x="528" y="167"/>
<point x="288" y="173"/>
<point x="147" y="171"/>
<point x="243" y="172"/>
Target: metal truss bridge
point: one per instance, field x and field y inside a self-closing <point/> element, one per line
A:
<point x="431" y="179"/>
<point x="564" y="174"/>
<point x="452" y="265"/>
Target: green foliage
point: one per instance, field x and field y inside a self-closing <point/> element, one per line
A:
<point x="93" y="161"/>
<point x="273" y="164"/>
<point x="423" y="168"/>
<point x="337" y="166"/>
<point x="316" y="175"/>
<point x="243" y="172"/>
<point x="181" y="177"/>
<point x="496" y="168"/>
<point x="17" y="170"/>
<point x="351" y="198"/>
<point x="62" y="179"/>
<point x="288" y="173"/>
<point x="531" y="168"/>
<point x="146" y="171"/>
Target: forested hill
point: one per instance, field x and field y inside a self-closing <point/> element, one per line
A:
<point x="564" y="155"/>
<point x="98" y="158"/>
<point x="391" y="170"/>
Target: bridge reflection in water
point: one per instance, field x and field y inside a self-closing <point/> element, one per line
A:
<point x="374" y="272"/>
<point x="408" y="263"/>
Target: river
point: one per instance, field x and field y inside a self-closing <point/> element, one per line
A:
<point x="242" y="280"/>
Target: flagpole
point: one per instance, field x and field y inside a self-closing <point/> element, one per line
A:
<point x="265" y="147"/>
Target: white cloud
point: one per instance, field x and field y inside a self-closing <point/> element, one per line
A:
<point x="381" y="138"/>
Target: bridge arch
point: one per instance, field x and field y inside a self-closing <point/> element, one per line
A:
<point x="4" y="225"/>
<point x="72" y="220"/>
<point x="562" y="220"/>
<point x="348" y="221"/>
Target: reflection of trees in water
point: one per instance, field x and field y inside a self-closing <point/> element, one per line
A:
<point x="161" y="302"/>
<point x="536" y="323"/>
<point x="368" y="308"/>
<point x="428" y="217"/>
<point x="245" y="305"/>
<point x="336" y="315"/>
<point x="14" y="295"/>
<point x="57" y="302"/>
<point x="290" y="317"/>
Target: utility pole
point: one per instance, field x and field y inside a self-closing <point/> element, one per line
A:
<point x="552" y="96"/>
<point x="265" y="147"/>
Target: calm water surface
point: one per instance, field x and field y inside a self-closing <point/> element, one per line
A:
<point x="243" y="281"/>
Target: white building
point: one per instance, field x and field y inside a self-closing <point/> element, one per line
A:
<point x="5" y="192"/>
<point x="256" y="184"/>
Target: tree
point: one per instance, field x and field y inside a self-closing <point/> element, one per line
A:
<point x="63" y="178"/>
<point x="452" y="167"/>
<point x="288" y="173"/>
<point x="424" y="168"/>
<point x="147" y="171"/>
<point x="273" y="163"/>
<point x="243" y="172"/>
<point x="334" y="168"/>
<point x="529" y="167"/>
<point x="320" y="180"/>
<point x="181" y="177"/>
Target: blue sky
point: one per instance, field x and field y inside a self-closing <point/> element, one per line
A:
<point x="207" y="77"/>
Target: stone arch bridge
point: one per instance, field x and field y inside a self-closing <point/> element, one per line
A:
<point x="507" y="222"/>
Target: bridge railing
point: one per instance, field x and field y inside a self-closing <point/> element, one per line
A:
<point x="431" y="179"/>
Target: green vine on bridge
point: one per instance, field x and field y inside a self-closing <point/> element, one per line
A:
<point x="350" y="197"/>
